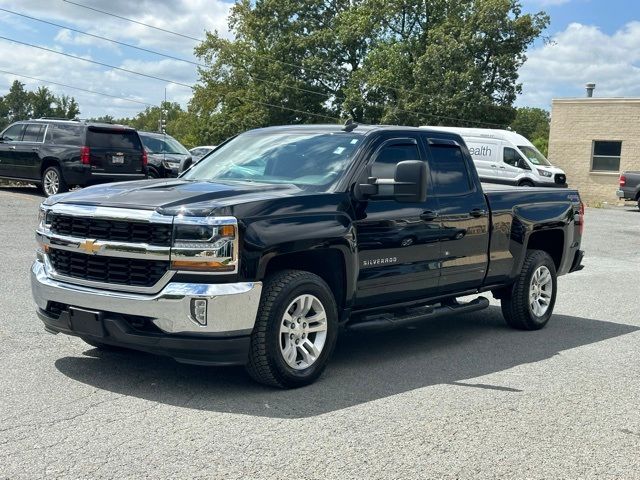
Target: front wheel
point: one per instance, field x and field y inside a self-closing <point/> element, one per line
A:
<point x="529" y="304"/>
<point x="295" y="331"/>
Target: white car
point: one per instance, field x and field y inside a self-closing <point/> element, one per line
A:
<point x="198" y="152"/>
<point x="503" y="156"/>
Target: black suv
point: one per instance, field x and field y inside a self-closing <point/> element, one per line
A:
<point x="165" y="153"/>
<point x="59" y="154"/>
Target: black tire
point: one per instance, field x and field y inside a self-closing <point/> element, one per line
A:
<point x="526" y="183"/>
<point x="266" y="363"/>
<point x="152" y="173"/>
<point x="47" y="187"/>
<point x="516" y="306"/>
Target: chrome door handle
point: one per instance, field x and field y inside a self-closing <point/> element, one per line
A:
<point x="477" y="212"/>
<point x="35" y="149"/>
<point x="494" y="166"/>
<point x="503" y="167"/>
<point x="12" y="147"/>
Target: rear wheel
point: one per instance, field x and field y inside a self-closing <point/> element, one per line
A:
<point x="53" y="182"/>
<point x="529" y="304"/>
<point x="295" y="330"/>
<point x="153" y="173"/>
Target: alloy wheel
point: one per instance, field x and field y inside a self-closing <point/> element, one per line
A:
<point x="540" y="291"/>
<point x="303" y="331"/>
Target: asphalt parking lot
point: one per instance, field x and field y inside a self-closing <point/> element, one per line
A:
<point x="463" y="398"/>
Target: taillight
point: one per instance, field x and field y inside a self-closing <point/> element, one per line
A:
<point x="85" y="155"/>
<point x="581" y="228"/>
<point x="145" y="159"/>
<point x="623" y="180"/>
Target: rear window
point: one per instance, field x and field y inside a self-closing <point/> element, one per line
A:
<point x="113" y="139"/>
<point x="449" y="170"/>
<point x="64" y="134"/>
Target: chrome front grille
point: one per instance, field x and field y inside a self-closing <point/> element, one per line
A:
<point x="112" y="230"/>
<point x="104" y="269"/>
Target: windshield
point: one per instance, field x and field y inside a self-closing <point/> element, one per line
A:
<point x="309" y="160"/>
<point x="534" y="156"/>
<point x="164" y="144"/>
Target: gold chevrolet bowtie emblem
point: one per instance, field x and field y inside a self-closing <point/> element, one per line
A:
<point x="89" y="246"/>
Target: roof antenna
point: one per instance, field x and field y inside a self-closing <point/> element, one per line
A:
<point x="349" y="125"/>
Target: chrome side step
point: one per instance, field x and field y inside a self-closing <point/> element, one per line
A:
<point x="389" y="320"/>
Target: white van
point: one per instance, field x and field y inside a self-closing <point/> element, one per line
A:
<point x="502" y="156"/>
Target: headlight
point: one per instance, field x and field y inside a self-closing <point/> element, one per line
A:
<point x="544" y="173"/>
<point x="44" y="221"/>
<point x="170" y="164"/>
<point x="205" y="244"/>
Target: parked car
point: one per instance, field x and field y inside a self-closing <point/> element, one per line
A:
<point x="198" y="152"/>
<point x="59" y="154"/>
<point x="202" y="153"/>
<point x="259" y="253"/>
<point x="629" y="187"/>
<point x="165" y="154"/>
<point x="503" y="156"/>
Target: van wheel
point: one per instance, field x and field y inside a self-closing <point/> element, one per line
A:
<point x="529" y="304"/>
<point x="526" y="183"/>
<point x="53" y="182"/>
<point x="295" y="331"/>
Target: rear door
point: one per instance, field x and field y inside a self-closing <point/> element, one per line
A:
<point x="114" y="150"/>
<point x="463" y="215"/>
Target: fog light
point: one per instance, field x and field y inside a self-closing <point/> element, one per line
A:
<point x="199" y="310"/>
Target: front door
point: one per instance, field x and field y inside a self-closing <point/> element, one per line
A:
<point x="398" y="245"/>
<point x="11" y="138"/>
<point x="463" y="213"/>
<point x="512" y="167"/>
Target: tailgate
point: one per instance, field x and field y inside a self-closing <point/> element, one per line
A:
<point x="115" y="150"/>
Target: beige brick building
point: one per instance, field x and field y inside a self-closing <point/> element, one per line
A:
<point x="593" y="140"/>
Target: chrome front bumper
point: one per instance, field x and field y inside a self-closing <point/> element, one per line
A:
<point x="231" y="307"/>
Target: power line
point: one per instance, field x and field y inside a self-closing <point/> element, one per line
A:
<point x="165" y="80"/>
<point x="117" y="42"/>
<point x="293" y="65"/>
<point x="132" y="21"/>
<point x="133" y="72"/>
<point x="77" y="88"/>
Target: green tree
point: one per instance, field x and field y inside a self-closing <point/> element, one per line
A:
<point x="532" y="122"/>
<point x="42" y="102"/>
<point x="17" y="102"/>
<point x="66" y="107"/>
<point x="394" y="61"/>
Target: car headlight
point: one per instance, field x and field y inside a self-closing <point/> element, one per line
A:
<point x="544" y="173"/>
<point x="170" y="164"/>
<point x="44" y="220"/>
<point x="205" y="244"/>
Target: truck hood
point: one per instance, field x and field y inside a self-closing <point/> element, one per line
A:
<point x="165" y="195"/>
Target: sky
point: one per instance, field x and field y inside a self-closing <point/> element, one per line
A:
<point x="586" y="41"/>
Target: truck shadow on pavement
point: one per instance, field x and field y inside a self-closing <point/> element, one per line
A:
<point x="365" y="367"/>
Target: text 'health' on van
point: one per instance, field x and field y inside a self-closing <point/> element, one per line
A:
<point x="503" y="156"/>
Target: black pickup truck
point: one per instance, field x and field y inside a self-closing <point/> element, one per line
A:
<point x="283" y="236"/>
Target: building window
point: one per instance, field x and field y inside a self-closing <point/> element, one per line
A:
<point x="606" y="156"/>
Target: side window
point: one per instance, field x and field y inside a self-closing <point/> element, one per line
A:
<point x="34" y="132"/>
<point x="64" y="134"/>
<point x="449" y="170"/>
<point x="13" y="133"/>
<point x="513" y="158"/>
<point x="385" y="163"/>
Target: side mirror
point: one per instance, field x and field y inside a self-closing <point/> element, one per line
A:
<point x="410" y="182"/>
